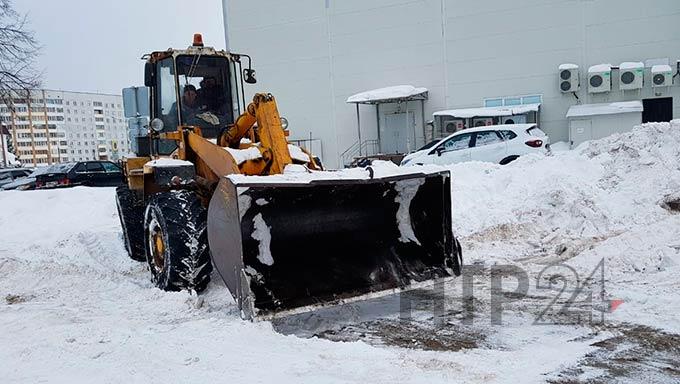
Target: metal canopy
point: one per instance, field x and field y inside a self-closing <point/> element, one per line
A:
<point x="388" y="95"/>
<point x="395" y="94"/>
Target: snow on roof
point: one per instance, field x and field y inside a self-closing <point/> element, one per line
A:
<point x="567" y="66"/>
<point x="631" y="65"/>
<point x="388" y="93"/>
<point x="600" y="68"/>
<point x="467" y="113"/>
<point x="661" y="68"/>
<point x="605" y="108"/>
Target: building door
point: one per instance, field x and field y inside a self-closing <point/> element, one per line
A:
<point x="580" y="131"/>
<point x="657" y="110"/>
<point x="398" y="135"/>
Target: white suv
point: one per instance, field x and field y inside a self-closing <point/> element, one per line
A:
<point x="494" y="143"/>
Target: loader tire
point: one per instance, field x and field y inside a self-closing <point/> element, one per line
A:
<point x="175" y="230"/>
<point x="131" y="214"/>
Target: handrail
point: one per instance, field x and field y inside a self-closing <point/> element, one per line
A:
<point x="366" y="148"/>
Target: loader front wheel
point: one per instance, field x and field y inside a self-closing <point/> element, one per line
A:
<point x="131" y="214"/>
<point x="175" y="229"/>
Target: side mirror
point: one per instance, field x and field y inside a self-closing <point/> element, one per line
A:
<point x="439" y="150"/>
<point x="249" y="76"/>
<point x="136" y="102"/>
<point x="149" y="74"/>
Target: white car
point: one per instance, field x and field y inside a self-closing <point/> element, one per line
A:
<point x="499" y="144"/>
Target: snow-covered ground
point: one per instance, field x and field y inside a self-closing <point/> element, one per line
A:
<point x="76" y="309"/>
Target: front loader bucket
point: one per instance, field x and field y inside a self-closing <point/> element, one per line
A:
<point x="285" y="247"/>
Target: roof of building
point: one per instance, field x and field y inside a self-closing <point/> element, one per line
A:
<point x="467" y="113"/>
<point x="394" y="94"/>
<point x="604" y="109"/>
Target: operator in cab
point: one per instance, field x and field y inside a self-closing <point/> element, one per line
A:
<point x="210" y="96"/>
<point x="190" y="106"/>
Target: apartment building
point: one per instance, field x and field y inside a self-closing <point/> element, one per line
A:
<point x="50" y="126"/>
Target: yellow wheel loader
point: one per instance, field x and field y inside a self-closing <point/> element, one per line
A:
<point x="214" y="182"/>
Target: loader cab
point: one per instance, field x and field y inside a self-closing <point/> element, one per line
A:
<point x="198" y="87"/>
<point x="194" y="90"/>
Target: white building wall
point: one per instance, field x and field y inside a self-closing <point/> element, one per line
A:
<point x="313" y="54"/>
<point x="600" y="126"/>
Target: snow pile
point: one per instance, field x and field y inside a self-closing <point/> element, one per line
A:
<point x="406" y="191"/>
<point x="167" y="162"/>
<point x="263" y="235"/>
<point x="242" y="155"/>
<point x="607" y="199"/>
<point x="600" y="187"/>
<point x="298" y="154"/>
<point x="296" y="174"/>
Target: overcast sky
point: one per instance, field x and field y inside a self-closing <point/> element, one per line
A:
<point x="95" y="45"/>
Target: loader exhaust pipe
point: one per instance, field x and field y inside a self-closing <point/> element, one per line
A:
<point x="288" y="247"/>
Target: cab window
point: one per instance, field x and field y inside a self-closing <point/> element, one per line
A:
<point x="167" y="93"/>
<point x="204" y="89"/>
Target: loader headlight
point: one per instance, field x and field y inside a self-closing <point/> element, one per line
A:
<point x="157" y="125"/>
<point x="284" y="123"/>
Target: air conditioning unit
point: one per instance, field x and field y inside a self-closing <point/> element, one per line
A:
<point x="662" y="75"/>
<point x="631" y="75"/>
<point x="600" y="78"/>
<point x="569" y="78"/>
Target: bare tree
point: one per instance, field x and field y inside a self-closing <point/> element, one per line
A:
<point x="18" y="52"/>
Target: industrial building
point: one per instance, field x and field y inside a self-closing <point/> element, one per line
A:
<point x="49" y="126"/>
<point x="467" y="62"/>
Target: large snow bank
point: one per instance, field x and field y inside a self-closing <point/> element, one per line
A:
<point x="600" y="187"/>
<point x="601" y="201"/>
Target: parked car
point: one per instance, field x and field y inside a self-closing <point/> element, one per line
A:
<point x="28" y="182"/>
<point x="494" y="143"/>
<point x="25" y="183"/>
<point x="8" y="175"/>
<point x="87" y="173"/>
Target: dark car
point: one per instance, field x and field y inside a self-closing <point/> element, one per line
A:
<point x="87" y="173"/>
<point x="8" y="175"/>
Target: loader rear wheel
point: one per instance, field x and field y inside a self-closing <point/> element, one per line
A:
<point x="175" y="229"/>
<point x="131" y="214"/>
